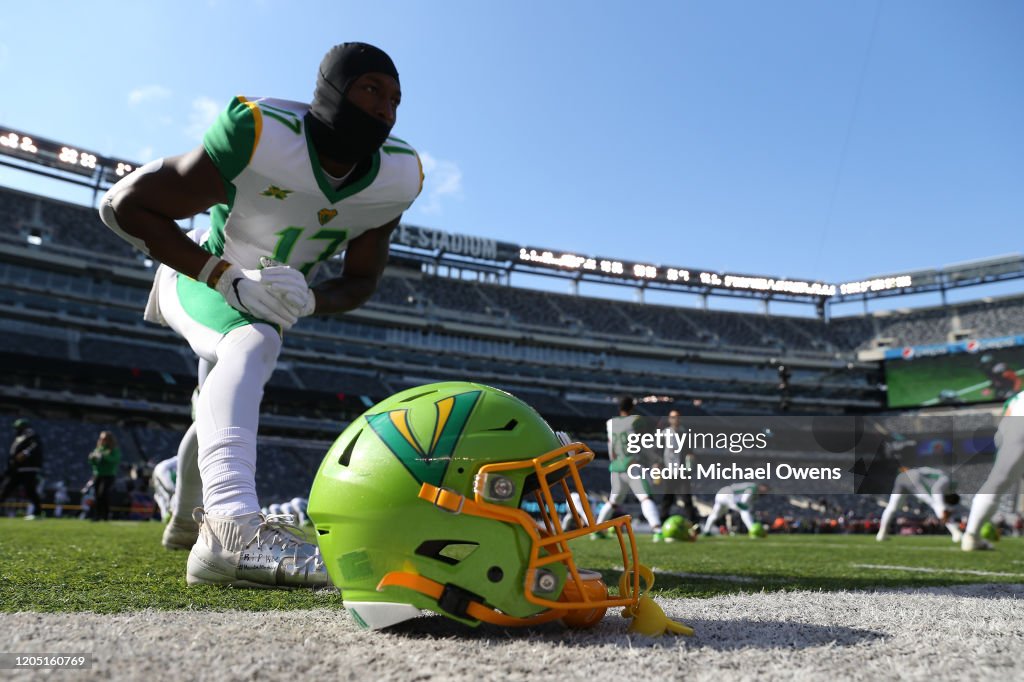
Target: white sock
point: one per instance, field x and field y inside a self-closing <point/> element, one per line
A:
<point x="227" y="418"/>
<point x="982" y="509"/>
<point x="227" y="463"/>
<point x="650" y="511"/>
<point x="188" y="486"/>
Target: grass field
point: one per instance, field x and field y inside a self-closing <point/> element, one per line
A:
<point x="71" y="565"/>
<point x="781" y="608"/>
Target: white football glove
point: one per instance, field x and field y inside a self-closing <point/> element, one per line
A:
<point x="289" y="285"/>
<point x="247" y="292"/>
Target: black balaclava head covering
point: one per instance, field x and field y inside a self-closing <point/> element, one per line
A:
<point x="343" y="130"/>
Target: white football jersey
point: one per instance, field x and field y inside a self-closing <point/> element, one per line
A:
<point x="738" y="494"/>
<point x="619" y="430"/>
<point x="927" y="484"/>
<point x="280" y="201"/>
<point x="166" y="472"/>
<point x="925" y="481"/>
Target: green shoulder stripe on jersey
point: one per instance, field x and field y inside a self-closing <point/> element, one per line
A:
<point x="391" y="149"/>
<point x="232" y="139"/>
<point x="290" y="119"/>
<point x="393" y="141"/>
<point x="334" y="196"/>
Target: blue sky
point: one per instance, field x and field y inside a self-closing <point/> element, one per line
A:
<point x="815" y="140"/>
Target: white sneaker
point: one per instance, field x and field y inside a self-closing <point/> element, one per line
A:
<point x="30" y="517"/>
<point x="958" y="536"/>
<point x="881" y="537"/>
<point x="180" y="533"/>
<point x="972" y="543"/>
<point x="253" y="551"/>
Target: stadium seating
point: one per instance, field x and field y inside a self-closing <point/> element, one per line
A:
<point x="569" y="355"/>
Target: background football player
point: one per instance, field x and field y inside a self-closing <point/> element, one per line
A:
<point x="929" y="485"/>
<point x="1006" y="470"/>
<point x="619" y="430"/>
<point x="738" y="497"/>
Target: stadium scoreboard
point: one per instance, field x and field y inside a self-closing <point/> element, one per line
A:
<point x="62" y="157"/>
<point x="86" y="167"/>
<point x="690" y="277"/>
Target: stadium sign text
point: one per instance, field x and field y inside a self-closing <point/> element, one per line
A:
<point x="877" y="284"/>
<point x="439" y="240"/>
<point x="969" y="346"/>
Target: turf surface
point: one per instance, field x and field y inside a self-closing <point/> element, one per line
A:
<point x="72" y="565"/>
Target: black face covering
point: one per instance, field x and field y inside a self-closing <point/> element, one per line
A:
<point x="340" y="128"/>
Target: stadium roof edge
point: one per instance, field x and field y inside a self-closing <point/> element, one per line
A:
<point x="71" y="164"/>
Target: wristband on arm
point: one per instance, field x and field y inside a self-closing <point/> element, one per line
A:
<point x="212" y="271"/>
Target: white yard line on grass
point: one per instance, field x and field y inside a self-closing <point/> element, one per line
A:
<point x="920" y="569"/>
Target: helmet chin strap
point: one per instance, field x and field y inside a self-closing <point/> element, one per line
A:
<point x="459" y="602"/>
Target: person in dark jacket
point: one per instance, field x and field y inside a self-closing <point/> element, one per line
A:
<point x="23" y="466"/>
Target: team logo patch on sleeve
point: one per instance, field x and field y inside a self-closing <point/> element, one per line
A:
<point x="276" y="192"/>
<point x="325" y="215"/>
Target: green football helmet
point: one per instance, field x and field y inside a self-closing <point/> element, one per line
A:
<point x="990" y="532"/>
<point x="417" y="507"/>
<point x="677" y="527"/>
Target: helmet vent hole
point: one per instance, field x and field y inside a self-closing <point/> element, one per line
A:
<point x="417" y="396"/>
<point x="450" y="552"/>
<point x="495" y="574"/>
<point x="321" y="531"/>
<point x="510" y="426"/>
<point x="346" y="456"/>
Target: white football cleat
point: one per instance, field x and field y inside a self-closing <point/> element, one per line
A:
<point x="881" y="537"/>
<point x="180" y="533"/>
<point x="972" y="543"/>
<point x="253" y="551"/>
